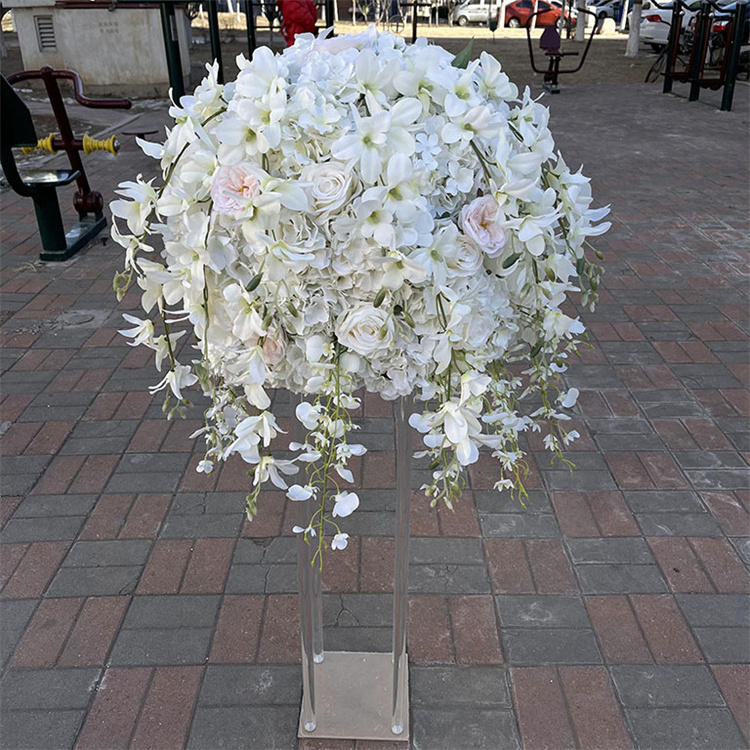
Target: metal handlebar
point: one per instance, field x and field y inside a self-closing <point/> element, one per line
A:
<point x="71" y="75"/>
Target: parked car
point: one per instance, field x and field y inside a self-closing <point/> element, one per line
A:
<point x="518" y="13"/>
<point x="475" y="11"/>
<point x="655" y="23"/>
<point x="606" y="9"/>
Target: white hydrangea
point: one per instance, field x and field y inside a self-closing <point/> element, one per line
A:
<point x="361" y="213"/>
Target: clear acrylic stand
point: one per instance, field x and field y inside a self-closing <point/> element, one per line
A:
<point x="356" y="695"/>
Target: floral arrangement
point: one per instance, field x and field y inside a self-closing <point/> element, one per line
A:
<point x="362" y="213"/>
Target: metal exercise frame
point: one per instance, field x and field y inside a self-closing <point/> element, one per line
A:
<point x="694" y="75"/>
<point x="356" y="695"/>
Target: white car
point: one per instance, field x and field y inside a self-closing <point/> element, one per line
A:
<point x="655" y="23"/>
<point x="475" y="11"/>
<point x="606" y="8"/>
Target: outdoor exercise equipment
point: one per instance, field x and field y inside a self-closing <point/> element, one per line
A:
<point x="550" y="44"/>
<point x="695" y="73"/>
<point x="17" y="130"/>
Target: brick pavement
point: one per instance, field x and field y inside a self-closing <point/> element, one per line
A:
<point x="140" y="610"/>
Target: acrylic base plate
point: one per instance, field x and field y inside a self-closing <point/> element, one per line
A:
<point x="353" y="694"/>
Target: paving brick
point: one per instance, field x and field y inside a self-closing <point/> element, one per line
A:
<point x="519" y="525"/>
<point x="208" y="567"/>
<point x="475" y="638"/>
<point x="40" y="729"/>
<point x="611" y="514"/>
<point x="94" y="631"/>
<point x="40" y="506"/>
<point x="574" y="515"/>
<point x="471" y="687"/>
<point x="540" y="708"/>
<point x="18" y="437"/>
<point x="166" y="567"/>
<point x="722" y="564"/>
<point x="539" y="646"/>
<point x="684" y="727"/>
<point x="94" y="474"/>
<point x="679" y="564"/>
<point x="593" y="708"/>
<point x="617" y="630"/>
<point x="230" y="727"/>
<point x="654" y="686"/>
<point x="508" y="566"/>
<point x="462" y="520"/>
<point x="172" y="693"/>
<point x="35" y="571"/>
<point x="376" y="564"/>
<point x="145" y="517"/>
<point x="47" y="689"/>
<point x="724" y="645"/>
<point x="108" y="553"/>
<point x="46" y="633"/>
<point x="549" y="567"/>
<point x="238" y="630"/>
<point x="733" y="681"/>
<point x="600" y="551"/>
<point x="429" y="630"/>
<point x="245" y="685"/>
<point x="728" y="511"/>
<point x="666" y="632"/>
<point x="619" y="578"/>
<point x="113" y="715"/>
<point x="279" y="644"/>
<point x="59" y="475"/>
<point x="10" y="556"/>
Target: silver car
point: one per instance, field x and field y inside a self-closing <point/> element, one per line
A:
<point x="474" y="11"/>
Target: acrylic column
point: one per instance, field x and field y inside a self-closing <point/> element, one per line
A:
<point x="357" y="695"/>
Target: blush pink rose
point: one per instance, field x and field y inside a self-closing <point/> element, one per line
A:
<point x="479" y="221"/>
<point x="233" y="188"/>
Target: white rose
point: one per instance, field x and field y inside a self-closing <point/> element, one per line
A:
<point x="365" y="330"/>
<point x="330" y="186"/>
<point x="466" y="258"/>
<point x="479" y="221"/>
<point x="233" y="188"/>
<point x="274" y="346"/>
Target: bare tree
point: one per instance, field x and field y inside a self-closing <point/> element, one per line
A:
<point x="634" y="35"/>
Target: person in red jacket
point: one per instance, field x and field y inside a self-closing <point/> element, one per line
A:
<point x="297" y="17"/>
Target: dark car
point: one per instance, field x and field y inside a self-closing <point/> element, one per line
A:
<point x="518" y="13"/>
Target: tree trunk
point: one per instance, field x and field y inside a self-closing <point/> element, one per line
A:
<point x="581" y="19"/>
<point x="634" y="36"/>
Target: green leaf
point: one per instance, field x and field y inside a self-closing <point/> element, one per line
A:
<point x="536" y="349"/>
<point x="254" y="282"/>
<point x="379" y="297"/>
<point x="462" y="59"/>
<point x="580" y="265"/>
<point x="511" y="259"/>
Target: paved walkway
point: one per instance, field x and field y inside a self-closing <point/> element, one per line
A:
<point x="139" y="610"/>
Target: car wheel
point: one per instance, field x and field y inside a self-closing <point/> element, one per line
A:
<point x="514" y="23"/>
<point x="462" y="21"/>
<point x="657" y="47"/>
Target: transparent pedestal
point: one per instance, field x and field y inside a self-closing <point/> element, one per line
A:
<point x="357" y="695"/>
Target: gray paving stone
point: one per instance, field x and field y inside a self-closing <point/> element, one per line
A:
<point x="251" y="685"/>
<point x="663" y="501"/>
<point x="214" y="525"/>
<point x="425" y="550"/>
<point x="522" y="525"/>
<point x="281" y="550"/>
<point x="619" y="426"/>
<point x="684" y="729"/>
<point x="742" y="546"/>
<point x="476" y="687"/>
<point x="70" y="338"/>
<point x="357" y="610"/>
<point x="366" y="523"/>
<point x="46" y="529"/>
<point x="13" y="485"/>
<point x="40" y="730"/>
<point x="359" y="639"/>
<point x="630" y="352"/>
<point x="154" y="647"/>
<point x="630" y="550"/>
<point x="492" y="501"/>
<point x="662" y="331"/>
<point x="578" y="480"/>
<point x="593" y="377"/>
<point x="100" y="437"/>
<point x="252" y="551"/>
<point x="614" y="578"/>
<point x="678" y="524"/>
<point x="178" y="611"/>
<point x="536" y="611"/>
<point x="112" y="580"/>
<point x="252" y="579"/>
<point x="652" y="686"/>
<point x="724" y="645"/>
<point x="705" y="376"/>
<point x="26" y="382"/>
<point x="468" y="729"/>
<point x="41" y="506"/>
<point x="111" y="552"/>
<point x="448" y="579"/>
<point x="709" y="460"/>
<point x="550" y="646"/>
<point x="154" y="481"/>
<point x="672" y="409"/>
<point x="726" y="479"/>
<point x="14" y="615"/>
<point x="715" y="610"/>
<point x="231" y="728"/>
<point x="202" y="503"/>
<point x="147" y="463"/>
<point x="24" y="464"/>
<point x="49" y="689"/>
